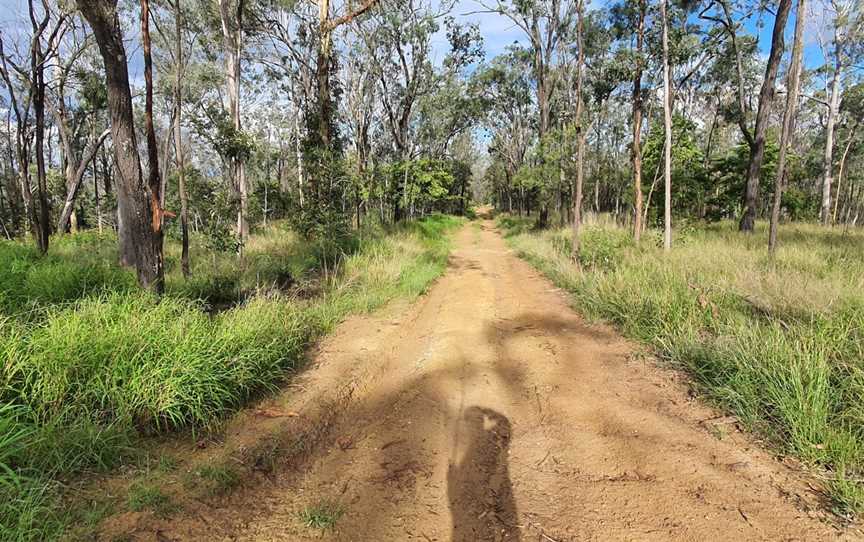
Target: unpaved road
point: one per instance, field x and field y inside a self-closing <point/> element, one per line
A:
<point x="488" y="410"/>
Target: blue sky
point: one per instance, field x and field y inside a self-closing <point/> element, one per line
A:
<point x="498" y="31"/>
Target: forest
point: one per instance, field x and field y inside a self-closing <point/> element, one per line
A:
<point x="196" y="194"/>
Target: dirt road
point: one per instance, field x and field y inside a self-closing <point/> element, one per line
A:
<point x="489" y="410"/>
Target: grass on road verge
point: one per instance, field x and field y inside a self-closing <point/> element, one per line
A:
<point x="90" y="364"/>
<point x="778" y="342"/>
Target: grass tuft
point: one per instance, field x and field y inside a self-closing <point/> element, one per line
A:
<point x="322" y="515"/>
<point x="216" y="479"/>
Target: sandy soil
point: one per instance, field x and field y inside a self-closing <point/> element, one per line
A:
<point x="489" y="410"/>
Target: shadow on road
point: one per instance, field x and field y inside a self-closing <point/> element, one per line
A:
<point x="478" y="485"/>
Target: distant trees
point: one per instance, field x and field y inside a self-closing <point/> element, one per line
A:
<point x="338" y="113"/>
<point x="692" y="102"/>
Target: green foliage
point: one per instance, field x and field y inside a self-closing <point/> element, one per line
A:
<point x="786" y="361"/>
<point x="727" y="176"/>
<point x="58" y="277"/>
<point x="691" y="184"/>
<point x="800" y="205"/>
<point x="88" y="375"/>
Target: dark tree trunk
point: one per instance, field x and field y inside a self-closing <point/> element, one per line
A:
<point x="636" y="151"/>
<point x="766" y="98"/>
<point x="38" y="82"/>
<point x="580" y="135"/>
<point x="138" y="212"/>
<point x="154" y="181"/>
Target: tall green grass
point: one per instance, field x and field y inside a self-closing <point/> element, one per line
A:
<point x="104" y="364"/>
<point x="780" y="341"/>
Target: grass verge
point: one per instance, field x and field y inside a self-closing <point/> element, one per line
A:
<point x="779" y="342"/>
<point x="89" y="371"/>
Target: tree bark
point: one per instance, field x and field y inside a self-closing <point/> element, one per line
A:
<point x="138" y="212"/>
<point x="833" y="107"/>
<point x="37" y="82"/>
<point x="843" y="158"/>
<point x="667" y="132"/>
<point x="793" y="86"/>
<point x="74" y="178"/>
<point x="178" y="141"/>
<point x="580" y="133"/>
<point x="232" y="35"/>
<point x="636" y="151"/>
<point x="766" y="98"/>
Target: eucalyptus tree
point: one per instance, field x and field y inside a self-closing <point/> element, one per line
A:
<point x="140" y="225"/>
<point x="327" y="24"/>
<point x="398" y="38"/>
<point x="231" y="14"/>
<point x="581" y="132"/>
<point x="720" y="12"/>
<point x="287" y="52"/>
<point x="792" y="89"/>
<point x="546" y="24"/>
<point x="179" y="154"/>
<point x="511" y="117"/>
<point x="667" y="131"/>
<point x="27" y="68"/>
<point x="75" y="115"/>
<point x="630" y="17"/>
<point x="847" y="31"/>
<point x="852" y="118"/>
<point x="361" y="107"/>
<point x="766" y="99"/>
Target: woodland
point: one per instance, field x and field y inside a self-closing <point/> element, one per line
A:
<point x="194" y="192"/>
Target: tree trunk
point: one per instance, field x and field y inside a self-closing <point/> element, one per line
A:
<point x="842" y="169"/>
<point x="739" y="71"/>
<point x="74" y="178"/>
<point x="138" y="213"/>
<point x="833" y="107"/>
<point x="232" y="34"/>
<point x="322" y="73"/>
<point x="636" y="151"/>
<point x="298" y="152"/>
<point x="792" y="84"/>
<point x="44" y="229"/>
<point x="153" y="179"/>
<point x="37" y="82"/>
<point x="178" y="142"/>
<point x="580" y="134"/>
<point x="667" y="132"/>
<point x="766" y="98"/>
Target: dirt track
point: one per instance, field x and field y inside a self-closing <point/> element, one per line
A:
<point x="488" y="410"/>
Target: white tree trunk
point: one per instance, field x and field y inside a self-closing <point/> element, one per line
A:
<point x="833" y="106"/>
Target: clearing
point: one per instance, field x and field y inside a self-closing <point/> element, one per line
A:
<point x="486" y="410"/>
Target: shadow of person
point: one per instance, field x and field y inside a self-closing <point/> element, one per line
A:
<point x="478" y="486"/>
